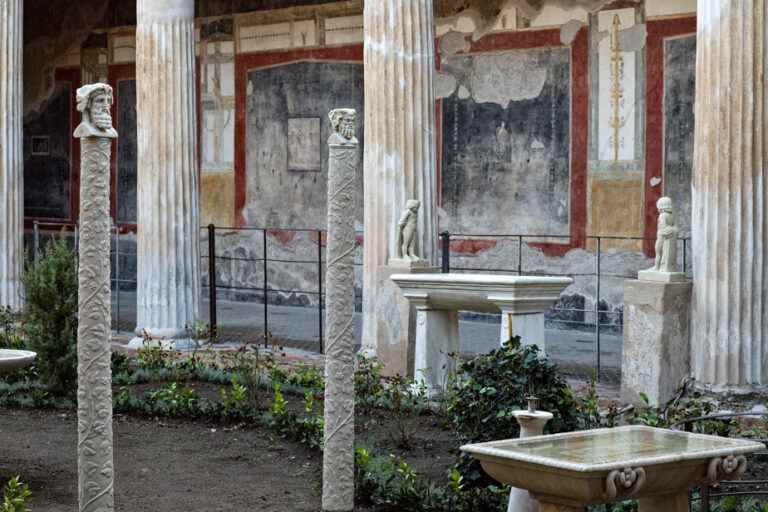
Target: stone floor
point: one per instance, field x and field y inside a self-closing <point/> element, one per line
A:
<point x="574" y="350"/>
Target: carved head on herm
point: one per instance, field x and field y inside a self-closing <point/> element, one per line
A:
<point x="344" y="122"/>
<point x="94" y="102"/>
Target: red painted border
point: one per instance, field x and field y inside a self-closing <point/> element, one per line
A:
<point x="71" y="76"/>
<point x="658" y="30"/>
<point x="117" y="74"/>
<point x="248" y="61"/>
<point x="579" y="118"/>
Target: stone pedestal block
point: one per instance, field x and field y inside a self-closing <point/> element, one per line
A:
<point x="437" y="335"/>
<point x="397" y="323"/>
<point x="529" y="327"/>
<point x="656" y="339"/>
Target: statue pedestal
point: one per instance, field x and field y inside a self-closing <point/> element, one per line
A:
<point x="397" y="319"/>
<point x="662" y="277"/>
<point x="656" y="339"/>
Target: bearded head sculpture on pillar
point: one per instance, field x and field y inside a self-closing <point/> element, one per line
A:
<point x="94" y="102"/>
<point x="344" y="124"/>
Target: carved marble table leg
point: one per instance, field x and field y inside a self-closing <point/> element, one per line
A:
<point x="671" y="503"/>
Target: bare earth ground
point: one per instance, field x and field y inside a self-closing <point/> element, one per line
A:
<point x="196" y="465"/>
<point x="168" y="466"/>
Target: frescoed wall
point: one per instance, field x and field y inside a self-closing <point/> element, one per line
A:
<point x="287" y="129"/>
<point x="507" y="142"/>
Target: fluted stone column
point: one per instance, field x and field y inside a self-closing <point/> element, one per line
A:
<point x="729" y="337"/>
<point x="399" y="156"/>
<point x="168" y="294"/>
<point x="11" y="158"/>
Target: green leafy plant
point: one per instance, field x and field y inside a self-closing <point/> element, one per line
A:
<point x="368" y="384"/>
<point x="406" y="400"/>
<point x="10" y="330"/>
<point x="16" y="496"/>
<point x="234" y="400"/>
<point x="51" y="316"/>
<point x="172" y="401"/>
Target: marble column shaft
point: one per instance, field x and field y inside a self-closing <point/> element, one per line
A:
<point x="11" y="156"/>
<point x="168" y="293"/>
<point x="400" y="161"/>
<point x="729" y="338"/>
<point x="94" y="390"/>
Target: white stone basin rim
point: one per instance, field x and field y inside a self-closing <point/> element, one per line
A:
<point x="483" y="292"/>
<point x="15" y="359"/>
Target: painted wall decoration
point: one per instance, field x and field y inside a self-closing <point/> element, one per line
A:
<point x="276" y="195"/>
<point x="217" y="106"/>
<point x="47" y="157"/>
<point x="126" y="152"/>
<point x="304" y="144"/>
<point x="506" y="142"/>
<point x="679" y="97"/>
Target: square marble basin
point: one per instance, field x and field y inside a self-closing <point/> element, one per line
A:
<point x="575" y="468"/>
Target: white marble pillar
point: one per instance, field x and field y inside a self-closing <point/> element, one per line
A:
<point x="168" y="293"/>
<point x="11" y="157"/>
<point x="729" y="339"/>
<point x="399" y="150"/>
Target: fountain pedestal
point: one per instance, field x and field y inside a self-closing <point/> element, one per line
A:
<point x="531" y="424"/>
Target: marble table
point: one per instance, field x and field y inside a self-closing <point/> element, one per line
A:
<point x="11" y="360"/>
<point x="567" y="472"/>
<point x="437" y="298"/>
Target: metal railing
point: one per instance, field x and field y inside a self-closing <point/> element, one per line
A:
<point x="276" y="269"/>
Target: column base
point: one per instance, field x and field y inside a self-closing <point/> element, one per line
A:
<point x="521" y="501"/>
<point x="656" y="339"/>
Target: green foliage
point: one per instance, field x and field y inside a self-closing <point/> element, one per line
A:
<point x="405" y="400"/>
<point x="368" y="384"/>
<point x="234" y="400"/>
<point x="172" y="401"/>
<point x="391" y="484"/>
<point x="16" y="496"/>
<point x="490" y="387"/>
<point x="10" y="331"/>
<point x="307" y="428"/>
<point x="51" y="316"/>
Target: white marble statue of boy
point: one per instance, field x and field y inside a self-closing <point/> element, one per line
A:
<point x="664" y="268"/>
<point x="406" y="232"/>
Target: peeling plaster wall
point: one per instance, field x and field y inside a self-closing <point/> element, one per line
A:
<point x="506" y="147"/>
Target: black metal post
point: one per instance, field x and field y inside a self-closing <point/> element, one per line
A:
<point x="520" y="255"/>
<point x="685" y="255"/>
<point x="320" y="287"/>
<point x="597" y="305"/>
<point x="212" y="282"/>
<point x="445" y="237"/>
<point x="266" y="298"/>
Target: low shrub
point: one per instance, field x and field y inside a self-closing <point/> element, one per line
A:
<point x="50" y="316"/>
<point x="16" y="496"/>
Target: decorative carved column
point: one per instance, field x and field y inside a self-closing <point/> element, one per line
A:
<point x="399" y="159"/>
<point x="168" y="293"/>
<point x="94" y="375"/>
<point x="729" y="339"/>
<point x="339" y="448"/>
<point x="11" y="157"/>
